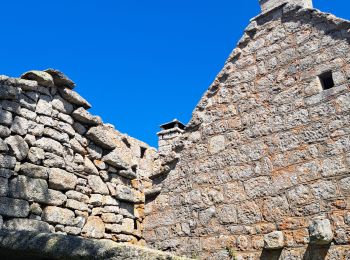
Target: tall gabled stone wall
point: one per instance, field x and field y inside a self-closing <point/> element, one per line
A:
<point x="61" y="169"/>
<point x="263" y="168"/>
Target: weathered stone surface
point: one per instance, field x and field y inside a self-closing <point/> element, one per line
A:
<point x="23" y="187"/>
<point x="18" y="146"/>
<point x="44" y="106"/>
<point x="9" y="92"/>
<point x="113" y="159"/>
<point x="128" y="174"/>
<point x="58" y="136"/>
<point x="34" y="171"/>
<point x="89" y="167"/>
<point x="5" y="118"/>
<point x="4" y="131"/>
<point x="74" y="204"/>
<point x="35" y="209"/>
<point x="274" y="240"/>
<point x="127" y="194"/>
<point x="14" y="207"/>
<point x="85" y="117"/>
<point x="27" y="225"/>
<point x="74" y="97"/>
<point x="60" y="80"/>
<point x="95" y="151"/>
<point x="97" y="185"/>
<point x="62" y="105"/>
<point x="94" y="228"/>
<point x="321" y="231"/>
<point x="8" y="162"/>
<point x="6" y="173"/>
<point x="66" y="247"/>
<point x="62" y="180"/>
<point x="104" y="136"/>
<point x="19" y="126"/>
<point x="111" y="218"/>
<point x="36" y="155"/>
<point x="77" y="196"/>
<point x="41" y="77"/>
<point x="57" y="215"/>
<point x="3" y="147"/>
<point x="50" y="145"/>
<point x="4" y="189"/>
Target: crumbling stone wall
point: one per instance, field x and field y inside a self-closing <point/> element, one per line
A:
<point x="263" y="168"/>
<point x="61" y="169"/>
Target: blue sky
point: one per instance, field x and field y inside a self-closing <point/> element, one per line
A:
<point x="139" y="63"/>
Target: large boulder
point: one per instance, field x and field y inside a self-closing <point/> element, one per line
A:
<point x="43" y="78"/>
<point x="74" y="97"/>
<point x="59" y="79"/>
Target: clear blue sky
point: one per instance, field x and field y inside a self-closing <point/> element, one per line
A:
<point x="139" y="63"/>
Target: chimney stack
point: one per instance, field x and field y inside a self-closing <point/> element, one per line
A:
<point x="267" y="5"/>
<point x="169" y="134"/>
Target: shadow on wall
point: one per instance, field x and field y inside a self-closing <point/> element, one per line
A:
<point x="313" y="252"/>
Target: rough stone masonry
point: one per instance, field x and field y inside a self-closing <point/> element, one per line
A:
<point x="262" y="170"/>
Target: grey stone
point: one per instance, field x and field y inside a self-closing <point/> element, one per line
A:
<point x="6" y="173"/>
<point x="43" y="78"/>
<point x="345" y="186"/>
<point x="274" y="240"/>
<point x="89" y="167"/>
<point x="23" y="187"/>
<point x="35" y="129"/>
<point x="62" y="105"/>
<point x="77" y="196"/>
<point x="11" y="106"/>
<point x="321" y="232"/>
<point x="5" y="117"/>
<point x="77" y="147"/>
<point x="1" y="222"/>
<point x="128" y="174"/>
<point x="73" y="97"/>
<point x="85" y="117"/>
<point x="8" y="162"/>
<point x="58" y="136"/>
<point x="4" y="131"/>
<point x="36" y="155"/>
<point x="60" y="80"/>
<point x="35" y="209"/>
<point x="44" y="106"/>
<point x="74" y="204"/>
<point x="14" y="207"/>
<point x="34" y="171"/>
<point x="94" y="228"/>
<point x="27" y="225"/>
<point x="58" y="215"/>
<point x="4" y="189"/>
<point x="9" y="92"/>
<point x="114" y="159"/>
<point x="18" y="146"/>
<point x="125" y="193"/>
<point x="96" y="200"/>
<point x="66" y="247"/>
<point x="62" y="180"/>
<point x="97" y="185"/>
<point x="50" y="145"/>
<point x="72" y="230"/>
<point x="54" y="161"/>
<point x="95" y="152"/>
<point x="3" y="147"/>
<point x="19" y="126"/>
<point x="28" y="114"/>
<point x="104" y="136"/>
<point x="79" y="128"/>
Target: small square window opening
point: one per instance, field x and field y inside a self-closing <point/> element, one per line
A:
<point x="326" y="80"/>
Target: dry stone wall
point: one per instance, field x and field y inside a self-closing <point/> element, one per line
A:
<point x="61" y="169"/>
<point x="263" y="168"/>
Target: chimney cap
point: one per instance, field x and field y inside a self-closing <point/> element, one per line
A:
<point x="173" y="124"/>
<point x="267" y="5"/>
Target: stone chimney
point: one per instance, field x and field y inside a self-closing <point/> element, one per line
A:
<point x="169" y="133"/>
<point x="267" y="5"/>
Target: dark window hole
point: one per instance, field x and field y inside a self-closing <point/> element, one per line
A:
<point x="143" y="152"/>
<point x="326" y="80"/>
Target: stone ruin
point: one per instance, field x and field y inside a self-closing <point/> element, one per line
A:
<point x="262" y="170"/>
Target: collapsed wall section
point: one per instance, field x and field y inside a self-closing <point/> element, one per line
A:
<point x="262" y="171"/>
<point x="61" y="169"/>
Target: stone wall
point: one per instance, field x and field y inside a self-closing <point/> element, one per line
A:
<point x="61" y="169"/>
<point x="263" y="168"/>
